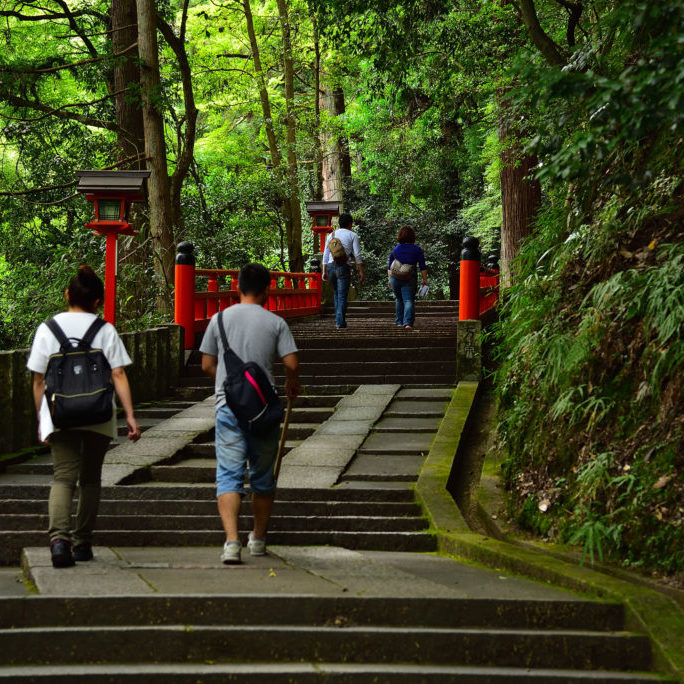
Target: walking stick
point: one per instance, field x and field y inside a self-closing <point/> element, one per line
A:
<point x="283" y="435"/>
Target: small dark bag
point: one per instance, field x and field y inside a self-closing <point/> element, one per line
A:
<point x="78" y="380"/>
<point x="249" y="392"/>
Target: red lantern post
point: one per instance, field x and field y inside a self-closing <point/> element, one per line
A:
<point x="111" y="193"/>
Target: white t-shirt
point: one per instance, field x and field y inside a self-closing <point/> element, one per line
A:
<point x="75" y="324"/>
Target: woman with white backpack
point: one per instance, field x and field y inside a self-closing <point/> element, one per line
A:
<point x="402" y="276"/>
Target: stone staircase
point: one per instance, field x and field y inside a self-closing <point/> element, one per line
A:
<point x="365" y="611"/>
<point x="287" y="638"/>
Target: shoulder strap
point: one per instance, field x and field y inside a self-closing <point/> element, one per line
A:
<point x="229" y="353"/>
<point x="95" y="327"/>
<point x="222" y="331"/>
<point x="54" y="328"/>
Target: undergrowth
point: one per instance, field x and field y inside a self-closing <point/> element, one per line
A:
<point x="589" y="344"/>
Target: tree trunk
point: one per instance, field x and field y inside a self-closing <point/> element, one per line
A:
<point x="130" y="143"/>
<point x="187" y="128"/>
<point x="294" y="220"/>
<point x="520" y="193"/>
<point x="336" y="159"/>
<point x="274" y="151"/>
<point x="131" y="136"/>
<point x="318" y="154"/>
<point x="161" y="216"/>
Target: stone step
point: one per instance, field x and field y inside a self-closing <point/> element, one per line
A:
<point x="355" y="339"/>
<point x="411" y="425"/>
<point x="384" y="468"/>
<point x="207" y="492"/>
<point x="11" y="542"/>
<point x="323" y="508"/>
<point x="158" y="412"/>
<point x="256" y="609"/>
<point x="291" y="643"/>
<point x="400" y="444"/>
<point x="406" y="379"/>
<point x="414" y="364"/>
<point x="286" y="673"/>
<point x="363" y="354"/>
<point x="278" y="523"/>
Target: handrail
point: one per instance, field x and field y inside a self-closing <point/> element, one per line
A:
<point x="291" y="295"/>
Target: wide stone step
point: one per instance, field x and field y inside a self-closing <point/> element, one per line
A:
<point x="256" y="609"/>
<point x="11" y="542"/>
<point x="384" y="340"/>
<point x="29" y="508"/>
<point x="207" y="492"/>
<point x="278" y="522"/>
<point x="286" y="673"/>
<point x="406" y="379"/>
<point x="158" y="412"/>
<point x="377" y="366"/>
<point x="292" y="643"/>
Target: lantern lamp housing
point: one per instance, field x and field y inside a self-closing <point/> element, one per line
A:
<point x="322" y="214"/>
<point x="111" y="193"/>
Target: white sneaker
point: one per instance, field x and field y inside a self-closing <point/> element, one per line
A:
<point x="231" y="553"/>
<point x="257" y="547"/>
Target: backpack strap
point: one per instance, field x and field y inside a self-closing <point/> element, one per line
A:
<point x="95" y="327"/>
<point x="54" y="328"/>
<point x="229" y="353"/>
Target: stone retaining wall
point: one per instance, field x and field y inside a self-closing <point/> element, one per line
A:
<point x="158" y="358"/>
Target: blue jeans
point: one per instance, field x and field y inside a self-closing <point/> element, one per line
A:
<point x="339" y="276"/>
<point x="405" y="295"/>
<point x="235" y="448"/>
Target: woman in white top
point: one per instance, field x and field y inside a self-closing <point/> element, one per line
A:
<point x="78" y="453"/>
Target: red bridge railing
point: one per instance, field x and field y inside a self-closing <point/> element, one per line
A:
<point x="479" y="285"/>
<point x="489" y="289"/>
<point x="291" y="295"/>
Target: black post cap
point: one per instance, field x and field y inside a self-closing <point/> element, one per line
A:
<point x="471" y="249"/>
<point x="185" y="256"/>
<point x="493" y="261"/>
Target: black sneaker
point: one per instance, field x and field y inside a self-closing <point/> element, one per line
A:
<point x="83" y="552"/>
<point x="60" y="550"/>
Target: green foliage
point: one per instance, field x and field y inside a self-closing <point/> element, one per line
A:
<point x="590" y="346"/>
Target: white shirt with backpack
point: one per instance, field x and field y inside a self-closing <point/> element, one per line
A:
<point x="75" y="324"/>
<point x="350" y="242"/>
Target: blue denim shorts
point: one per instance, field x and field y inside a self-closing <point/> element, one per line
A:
<point x="235" y="449"/>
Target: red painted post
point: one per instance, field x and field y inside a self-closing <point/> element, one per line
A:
<point x="289" y="298"/>
<point x="185" y="292"/>
<point x="469" y="297"/>
<point x="212" y="304"/>
<point x="272" y="299"/>
<point x="317" y="294"/>
<point x="110" y="278"/>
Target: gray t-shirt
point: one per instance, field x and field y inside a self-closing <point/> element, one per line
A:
<point x="254" y="334"/>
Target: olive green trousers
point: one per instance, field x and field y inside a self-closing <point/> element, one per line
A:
<point x="77" y="457"/>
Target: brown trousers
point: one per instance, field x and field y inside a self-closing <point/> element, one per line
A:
<point x="77" y="456"/>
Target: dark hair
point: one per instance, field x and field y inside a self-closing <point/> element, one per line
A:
<point x="85" y="289"/>
<point x="406" y="234"/>
<point x="253" y="279"/>
<point x="345" y="220"/>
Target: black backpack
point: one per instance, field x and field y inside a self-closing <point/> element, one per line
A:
<point x="249" y="392"/>
<point x="78" y="380"/>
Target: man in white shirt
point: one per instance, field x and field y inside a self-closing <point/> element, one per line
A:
<point x="338" y="271"/>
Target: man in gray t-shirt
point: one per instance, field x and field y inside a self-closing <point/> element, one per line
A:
<point x="254" y="334"/>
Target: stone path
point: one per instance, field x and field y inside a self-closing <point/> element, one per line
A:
<point x="346" y="591"/>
